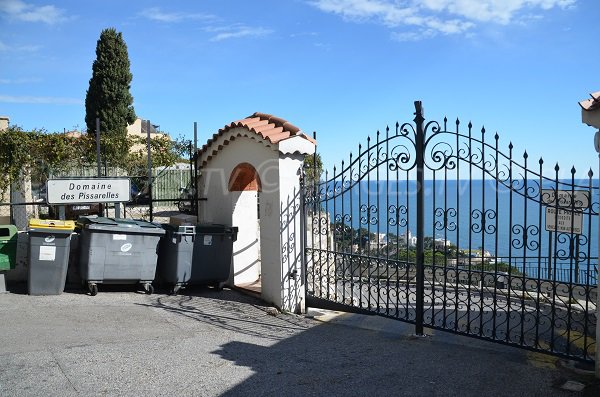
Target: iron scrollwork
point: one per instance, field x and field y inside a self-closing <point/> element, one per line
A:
<point x="397" y="215"/>
<point x="525" y="232"/>
<point x="445" y="223"/>
<point x="483" y="225"/>
<point x="370" y="216"/>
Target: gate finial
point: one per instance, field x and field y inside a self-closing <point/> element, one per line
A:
<point x="419" y="111"/>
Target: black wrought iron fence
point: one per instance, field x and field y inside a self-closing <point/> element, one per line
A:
<point x="434" y="224"/>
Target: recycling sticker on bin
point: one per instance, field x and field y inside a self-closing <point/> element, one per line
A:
<point x="47" y="253"/>
<point x="207" y="240"/>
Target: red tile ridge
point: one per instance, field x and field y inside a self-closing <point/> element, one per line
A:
<point x="591" y="104"/>
<point x="271" y="128"/>
<point x="278" y="137"/>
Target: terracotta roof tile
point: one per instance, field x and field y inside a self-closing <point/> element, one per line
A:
<point x="591" y="104"/>
<point x="271" y="128"/>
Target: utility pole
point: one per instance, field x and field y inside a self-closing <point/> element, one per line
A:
<point x="149" y="169"/>
<point x="99" y="159"/>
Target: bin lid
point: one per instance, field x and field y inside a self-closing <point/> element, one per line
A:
<point x="215" y="228"/>
<point x="97" y="220"/>
<point x="119" y="225"/>
<point x="181" y="229"/>
<point x="53" y="224"/>
<point x="8" y="232"/>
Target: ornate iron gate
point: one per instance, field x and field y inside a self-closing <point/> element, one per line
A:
<point x="433" y="225"/>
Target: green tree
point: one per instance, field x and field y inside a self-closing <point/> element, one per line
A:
<point x="33" y="153"/>
<point x="312" y="172"/>
<point x="164" y="152"/>
<point x="108" y="97"/>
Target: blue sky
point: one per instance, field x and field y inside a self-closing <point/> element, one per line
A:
<point x="344" y="68"/>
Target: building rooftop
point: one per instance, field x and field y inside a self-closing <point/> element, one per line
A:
<point x="271" y="128"/>
<point x="265" y="127"/>
<point x="591" y="103"/>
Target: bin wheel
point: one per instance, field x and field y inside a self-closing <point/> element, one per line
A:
<point x="149" y="289"/>
<point x="175" y="289"/>
<point x="93" y="289"/>
<point x="218" y="286"/>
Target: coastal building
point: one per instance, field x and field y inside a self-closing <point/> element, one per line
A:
<point x="407" y="239"/>
<point x="379" y="242"/>
<point x="4" y="120"/>
<point x="440" y="243"/>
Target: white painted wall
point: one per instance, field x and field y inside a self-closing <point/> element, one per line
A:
<point x="591" y="117"/>
<point x="290" y="167"/>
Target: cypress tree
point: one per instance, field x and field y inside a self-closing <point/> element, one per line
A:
<point x="108" y="96"/>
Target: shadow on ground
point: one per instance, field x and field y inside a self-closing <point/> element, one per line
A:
<point x="299" y="356"/>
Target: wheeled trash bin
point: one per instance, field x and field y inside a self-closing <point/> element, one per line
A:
<point x="117" y="251"/>
<point x="213" y="251"/>
<point x="49" y="245"/>
<point x="8" y="251"/>
<point x="175" y="256"/>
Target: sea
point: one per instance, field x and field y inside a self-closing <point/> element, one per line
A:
<point x="516" y="220"/>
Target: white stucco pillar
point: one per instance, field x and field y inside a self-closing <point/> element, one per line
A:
<point x="598" y="280"/>
<point x="291" y="233"/>
<point x="590" y="115"/>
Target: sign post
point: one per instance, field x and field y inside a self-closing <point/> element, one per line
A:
<point x="563" y="211"/>
<point x="564" y="221"/>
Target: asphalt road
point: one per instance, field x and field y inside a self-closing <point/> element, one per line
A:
<point x="209" y="343"/>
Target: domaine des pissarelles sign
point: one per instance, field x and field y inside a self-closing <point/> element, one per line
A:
<point x="90" y="190"/>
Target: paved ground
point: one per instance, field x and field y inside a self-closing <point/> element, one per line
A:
<point x="209" y="343"/>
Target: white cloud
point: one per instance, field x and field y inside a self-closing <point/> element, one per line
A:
<point x="221" y="32"/>
<point x="21" y="11"/>
<point x="157" y="14"/>
<point x="47" y="100"/>
<point x="20" y="81"/>
<point x="502" y="12"/>
<point x="428" y="18"/>
<point x="22" y="48"/>
<point x="237" y="31"/>
<point x="413" y="36"/>
<point x="390" y="13"/>
<point x="304" y="34"/>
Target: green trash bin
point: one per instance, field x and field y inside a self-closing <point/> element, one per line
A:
<point x="8" y="247"/>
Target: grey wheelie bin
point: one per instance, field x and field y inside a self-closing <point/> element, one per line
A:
<point x="213" y="248"/>
<point x="117" y="251"/>
<point x="175" y="256"/>
<point x="49" y="245"/>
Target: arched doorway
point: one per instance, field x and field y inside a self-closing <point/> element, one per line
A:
<point x="244" y="188"/>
